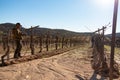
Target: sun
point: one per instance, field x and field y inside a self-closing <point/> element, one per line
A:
<point x="104" y="3"/>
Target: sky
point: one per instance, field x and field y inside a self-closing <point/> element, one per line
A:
<point x="73" y="15"/>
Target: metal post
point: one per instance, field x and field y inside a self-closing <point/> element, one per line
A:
<point x="113" y="38"/>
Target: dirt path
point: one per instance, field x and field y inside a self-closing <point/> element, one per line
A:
<point x="71" y="65"/>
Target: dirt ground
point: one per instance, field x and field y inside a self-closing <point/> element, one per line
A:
<point x="71" y="65"/>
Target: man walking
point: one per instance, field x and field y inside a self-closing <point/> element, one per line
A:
<point x="17" y="36"/>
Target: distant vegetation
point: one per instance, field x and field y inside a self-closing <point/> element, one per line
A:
<point x="42" y="31"/>
<point x="117" y="35"/>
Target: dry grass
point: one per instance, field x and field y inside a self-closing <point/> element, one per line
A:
<point x="108" y="49"/>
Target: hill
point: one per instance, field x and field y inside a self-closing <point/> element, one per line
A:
<point x="110" y="35"/>
<point x="5" y="27"/>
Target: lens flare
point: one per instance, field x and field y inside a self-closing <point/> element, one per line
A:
<point x="104" y="3"/>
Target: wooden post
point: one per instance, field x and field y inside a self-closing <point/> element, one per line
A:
<point x="62" y="41"/>
<point x="40" y="43"/>
<point x="31" y="42"/>
<point x="103" y="35"/>
<point x="103" y="32"/>
<point x="98" y="31"/>
<point x="113" y="38"/>
<point x="103" y="38"/>
<point x="3" y="41"/>
<point x="70" y="42"/>
<point x="66" y="42"/>
<point x="56" y="42"/>
<point x="47" y="41"/>
<point x="104" y="64"/>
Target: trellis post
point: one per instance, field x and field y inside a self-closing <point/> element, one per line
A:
<point x="113" y="38"/>
<point x="31" y="42"/>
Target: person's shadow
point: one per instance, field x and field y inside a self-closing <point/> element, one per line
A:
<point x="93" y="77"/>
<point x="80" y="78"/>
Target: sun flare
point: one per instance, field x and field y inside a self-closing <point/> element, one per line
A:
<point x="104" y="3"/>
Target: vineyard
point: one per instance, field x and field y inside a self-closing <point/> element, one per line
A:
<point x="76" y="48"/>
<point x="38" y="46"/>
<point x="86" y="56"/>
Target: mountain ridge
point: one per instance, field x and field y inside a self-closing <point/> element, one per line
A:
<point x="5" y="27"/>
